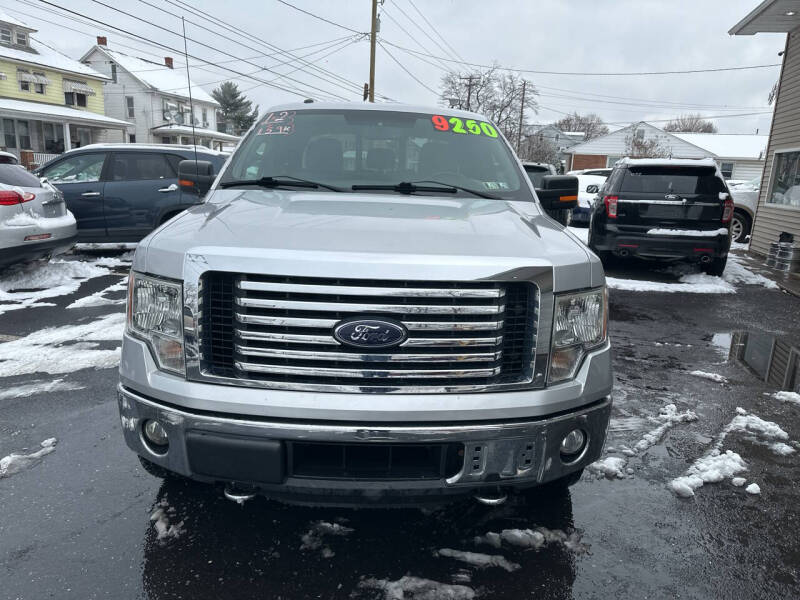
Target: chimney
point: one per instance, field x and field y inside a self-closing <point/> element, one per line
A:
<point x="102" y="41"/>
<point x="168" y="61"/>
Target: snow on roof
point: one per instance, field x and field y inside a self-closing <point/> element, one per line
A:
<point x="6" y="18"/>
<point x="61" y="113"/>
<point x="678" y="162"/>
<point x="729" y="145"/>
<point x="198" y="131"/>
<point x="48" y="57"/>
<point x="144" y="146"/>
<point x="159" y="77"/>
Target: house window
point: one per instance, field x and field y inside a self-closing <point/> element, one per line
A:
<point x="205" y="117"/>
<point x="114" y="72"/>
<point x="24" y="86"/>
<point x="129" y="106"/>
<point x="612" y="160"/>
<point x="727" y="169"/>
<point x="5" y="35"/>
<point x="22" y="38"/>
<point x="166" y="139"/>
<point x="24" y="132"/>
<point x="74" y="99"/>
<point x="785" y="179"/>
<point x="39" y="88"/>
<point x="131" y="138"/>
<point x="10" y="136"/>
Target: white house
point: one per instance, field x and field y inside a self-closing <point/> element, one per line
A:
<point x="154" y="99"/>
<point x="740" y="156"/>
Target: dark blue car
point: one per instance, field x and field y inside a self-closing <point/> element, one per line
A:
<point x="121" y="192"/>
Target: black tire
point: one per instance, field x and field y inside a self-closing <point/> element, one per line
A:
<point x="561" y="216"/>
<point x="157" y="471"/>
<point x="741" y="226"/>
<point x="604" y="255"/>
<point x="716" y="267"/>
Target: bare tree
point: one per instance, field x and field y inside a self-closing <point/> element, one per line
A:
<point x="637" y="146"/>
<point x="539" y="148"/>
<point x="691" y="123"/>
<point x="773" y="93"/>
<point x="493" y="93"/>
<point x="590" y="124"/>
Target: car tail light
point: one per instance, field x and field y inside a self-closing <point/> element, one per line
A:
<point x="10" y="197"/>
<point x="611" y="206"/>
<point x="727" y="211"/>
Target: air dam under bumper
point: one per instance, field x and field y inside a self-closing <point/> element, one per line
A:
<point x="263" y="453"/>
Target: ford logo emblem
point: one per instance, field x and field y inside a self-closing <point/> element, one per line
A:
<point x="370" y="333"/>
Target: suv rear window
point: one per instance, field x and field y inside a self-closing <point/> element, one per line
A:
<point x="17" y="175"/>
<point x="672" y="180"/>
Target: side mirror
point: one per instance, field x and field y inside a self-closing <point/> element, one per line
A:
<point x="592" y="189"/>
<point x="196" y="176"/>
<point x="558" y="191"/>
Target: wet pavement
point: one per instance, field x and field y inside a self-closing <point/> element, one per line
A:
<point x="85" y="521"/>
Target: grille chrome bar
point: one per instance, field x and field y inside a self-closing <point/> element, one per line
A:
<point x="355" y="357"/>
<point x="368" y="374"/>
<point x="346" y="290"/>
<point x="299" y="338"/>
<point x="410" y="325"/>
<point x="416" y="309"/>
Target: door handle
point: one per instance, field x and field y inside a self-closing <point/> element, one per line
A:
<point x="86" y="194"/>
<point x="170" y="188"/>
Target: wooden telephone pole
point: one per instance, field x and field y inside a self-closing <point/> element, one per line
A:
<point x="521" y="116"/>
<point x="372" y="39"/>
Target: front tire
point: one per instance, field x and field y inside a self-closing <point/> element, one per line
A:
<point x="716" y="267"/>
<point x="563" y="216"/>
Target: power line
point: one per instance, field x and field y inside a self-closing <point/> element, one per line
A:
<point x="404" y="30"/>
<point x="439" y="35"/>
<point x="410" y="74"/>
<point x="425" y="33"/>
<point x="310" y="14"/>
<point x="583" y="73"/>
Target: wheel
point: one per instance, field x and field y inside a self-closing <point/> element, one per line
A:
<point x="157" y="471"/>
<point x="561" y="216"/>
<point x="740" y="227"/>
<point x="716" y="267"/>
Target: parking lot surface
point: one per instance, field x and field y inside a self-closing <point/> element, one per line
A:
<point x="665" y="513"/>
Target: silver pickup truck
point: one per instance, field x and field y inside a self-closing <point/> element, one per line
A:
<point x="370" y="307"/>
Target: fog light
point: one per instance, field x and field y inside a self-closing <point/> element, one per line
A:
<point x="155" y="434"/>
<point x="573" y="442"/>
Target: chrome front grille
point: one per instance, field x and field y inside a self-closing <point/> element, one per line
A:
<point x="277" y="332"/>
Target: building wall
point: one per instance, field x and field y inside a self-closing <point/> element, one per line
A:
<point x="747" y="169"/>
<point x="588" y="161"/>
<point x="771" y="220"/>
<point x="54" y="93"/>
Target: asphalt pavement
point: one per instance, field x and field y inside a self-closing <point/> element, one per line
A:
<point x="81" y="519"/>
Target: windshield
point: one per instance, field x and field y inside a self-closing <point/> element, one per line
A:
<point x="672" y="180"/>
<point x="343" y="148"/>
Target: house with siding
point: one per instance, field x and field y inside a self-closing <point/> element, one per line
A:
<point x="779" y="198"/>
<point x="154" y="98"/>
<point x="740" y="156"/>
<point x="49" y="102"/>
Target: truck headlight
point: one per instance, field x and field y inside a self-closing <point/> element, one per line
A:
<point x="580" y="324"/>
<point x="155" y="309"/>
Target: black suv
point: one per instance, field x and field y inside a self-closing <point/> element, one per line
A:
<point x="664" y="209"/>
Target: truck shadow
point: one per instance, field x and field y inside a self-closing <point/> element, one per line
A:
<point x="200" y="545"/>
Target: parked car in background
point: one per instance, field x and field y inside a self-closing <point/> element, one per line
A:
<point x="536" y="172"/>
<point x="745" y="203"/>
<point x="668" y="209"/>
<point x="34" y="221"/>
<point x="604" y="172"/>
<point x="121" y="192"/>
<point x="588" y="188"/>
<point x="6" y="158"/>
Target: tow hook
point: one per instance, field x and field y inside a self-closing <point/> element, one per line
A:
<point x="238" y="494"/>
<point x="492" y="497"/>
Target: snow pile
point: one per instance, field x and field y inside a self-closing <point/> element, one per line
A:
<point x="162" y="517"/>
<point x="710" y="376"/>
<point x="753" y="488"/>
<point x="417" y="588"/>
<point x="738" y="481"/>
<point x="99" y="298"/>
<point x="708" y="469"/>
<point x="698" y="283"/>
<point x="792" y="397"/>
<point x="481" y="561"/>
<point x="688" y="232"/>
<point x="669" y="417"/>
<point x="106" y="246"/>
<point x="534" y="538"/>
<point x="737" y="273"/>
<point x="63" y="349"/>
<point x="313" y="540"/>
<point x="38" y="387"/>
<point x="611" y="467"/>
<point x="28" y="219"/>
<point x="14" y="463"/>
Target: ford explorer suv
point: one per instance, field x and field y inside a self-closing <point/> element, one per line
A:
<point x="121" y="192"/>
<point x="664" y="209"/>
<point x="369" y="307"/>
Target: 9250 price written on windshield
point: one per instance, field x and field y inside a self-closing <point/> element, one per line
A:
<point x="457" y="125"/>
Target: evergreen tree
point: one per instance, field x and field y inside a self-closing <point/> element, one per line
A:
<point x="236" y="111"/>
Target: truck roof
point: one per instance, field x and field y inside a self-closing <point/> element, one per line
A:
<point x="384" y="106"/>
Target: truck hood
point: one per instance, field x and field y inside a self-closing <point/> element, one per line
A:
<point x="377" y="235"/>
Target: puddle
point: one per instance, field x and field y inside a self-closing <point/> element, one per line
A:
<point x="772" y="358"/>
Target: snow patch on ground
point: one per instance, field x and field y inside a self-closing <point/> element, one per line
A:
<point x="106" y="246"/>
<point x="710" y="376"/>
<point x="611" y="467"/>
<point x="313" y="539"/>
<point x="534" y="538"/>
<point x="66" y="349"/>
<point x="38" y="387"/>
<point x="737" y="273"/>
<point x="792" y="397"/>
<point x="482" y="561"/>
<point x="14" y="463"/>
<point x="698" y="283"/>
<point x="162" y="518"/>
<point x="668" y="417"/>
<point x="417" y="588"/>
<point x="99" y="298"/>
<point x="753" y="488"/>
<point x="738" y="481"/>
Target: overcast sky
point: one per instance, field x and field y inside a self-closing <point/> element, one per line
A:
<point x="547" y="35"/>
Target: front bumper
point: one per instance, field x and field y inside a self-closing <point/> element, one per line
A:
<point x="505" y="454"/>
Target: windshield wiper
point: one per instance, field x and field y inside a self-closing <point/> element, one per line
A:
<point x="410" y="187"/>
<point x="279" y="181"/>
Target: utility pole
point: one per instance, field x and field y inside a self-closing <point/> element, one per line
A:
<point x="372" y="39"/>
<point x="468" y="79"/>
<point x="521" y="116"/>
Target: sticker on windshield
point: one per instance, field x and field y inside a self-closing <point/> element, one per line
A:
<point x="456" y="125"/>
<point x="496" y="185"/>
<point x="277" y="123"/>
